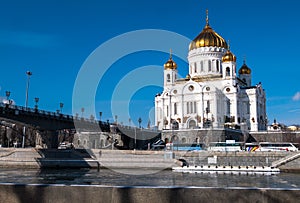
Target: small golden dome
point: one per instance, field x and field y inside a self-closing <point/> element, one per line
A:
<point x="208" y="38"/>
<point x="228" y="57"/>
<point x="244" y="69"/>
<point x="170" y="64"/>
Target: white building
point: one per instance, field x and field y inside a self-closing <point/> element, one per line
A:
<point x="212" y="94"/>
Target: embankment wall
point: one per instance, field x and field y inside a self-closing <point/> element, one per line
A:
<point x="74" y="194"/>
<point x="32" y="158"/>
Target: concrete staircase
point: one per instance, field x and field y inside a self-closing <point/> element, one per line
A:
<point x="12" y="157"/>
<point x="134" y="159"/>
<point x="285" y="160"/>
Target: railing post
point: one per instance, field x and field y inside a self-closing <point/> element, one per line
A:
<point x="23" y="138"/>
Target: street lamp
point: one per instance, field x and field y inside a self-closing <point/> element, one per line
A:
<point x="82" y="110"/>
<point x="7" y="93"/>
<point x="140" y="121"/>
<point x="36" y="99"/>
<point x="116" y="119"/>
<point x="61" y="105"/>
<point x="100" y="114"/>
<point x="28" y="73"/>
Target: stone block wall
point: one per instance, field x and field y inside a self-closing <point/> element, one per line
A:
<point x="280" y="136"/>
<point x="204" y="136"/>
<point x="232" y="158"/>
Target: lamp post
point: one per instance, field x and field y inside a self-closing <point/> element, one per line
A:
<point x="7" y="93"/>
<point x="140" y="121"/>
<point x="82" y="110"/>
<point x="61" y="105"/>
<point x="100" y="114"/>
<point x="116" y="119"/>
<point x="28" y="73"/>
<point x="36" y="99"/>
<point x="134" y="138"/>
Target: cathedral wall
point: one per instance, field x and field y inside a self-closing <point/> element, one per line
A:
<point x="204" y="136"/>
<point x="293" y="137"/>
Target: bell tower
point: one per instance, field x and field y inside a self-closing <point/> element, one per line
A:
<point x="229" y="65"/>
<point x="170" y="71"/>
<point x="245" y="74"/>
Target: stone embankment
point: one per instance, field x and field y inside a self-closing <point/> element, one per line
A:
<point x="232" y="158"/>
<point x="18" y="157"/>
<point x="34" y="158"/>
<point x="74" y="194"/>
<point x="94" y="158"/>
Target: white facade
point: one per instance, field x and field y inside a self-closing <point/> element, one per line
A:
<point x="212" y="94"/>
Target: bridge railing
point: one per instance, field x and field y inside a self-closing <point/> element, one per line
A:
<point x="19" y="110"/>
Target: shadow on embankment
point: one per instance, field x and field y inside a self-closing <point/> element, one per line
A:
<point x="62" y="167"/>
<point x="67" y="158"/>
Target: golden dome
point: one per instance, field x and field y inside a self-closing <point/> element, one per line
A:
<point x="229" y="56"/>
<point x="208" y="38"/>
<point x="170" y="64"/>
<point x="244" y="69"/>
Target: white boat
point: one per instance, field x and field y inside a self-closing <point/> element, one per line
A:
<point x="227" y="169"/>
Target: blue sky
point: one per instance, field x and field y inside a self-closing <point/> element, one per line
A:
<point x="53" y="39"/>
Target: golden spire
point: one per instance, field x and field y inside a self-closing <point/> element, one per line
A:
<point x="208" y="38"/>
<point x="207" y="20"/>
<point x="170" y="64"/>
<point x="228" y="45"/>
<point x="244" y="69"/>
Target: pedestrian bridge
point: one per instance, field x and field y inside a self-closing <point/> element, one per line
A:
<point x="48" y="120"/>
<point x="54" y="121"/>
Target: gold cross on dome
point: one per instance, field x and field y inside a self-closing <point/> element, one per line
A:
<point x="207" y="20"/>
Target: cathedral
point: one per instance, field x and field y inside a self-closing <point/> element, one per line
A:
<point x="213" y="94"/>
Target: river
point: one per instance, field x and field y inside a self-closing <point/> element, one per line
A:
<point x="164" y="178"/>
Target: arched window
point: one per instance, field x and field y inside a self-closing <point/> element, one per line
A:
<point x="192" y="124"/>
<point x="218" y="65"/>
<point x="195" y="68"/>
<point x="201" y="66"/>
<point x="228" y="107"/>
<point x="167" y="110"/>
<point x="209" y="66"/>
<point x="175" y="108"/>
<point x="168" y="78"/>
<point x="227" y="71"/>
<point x="187" y="108"/>
<point x="208" y="106"/>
